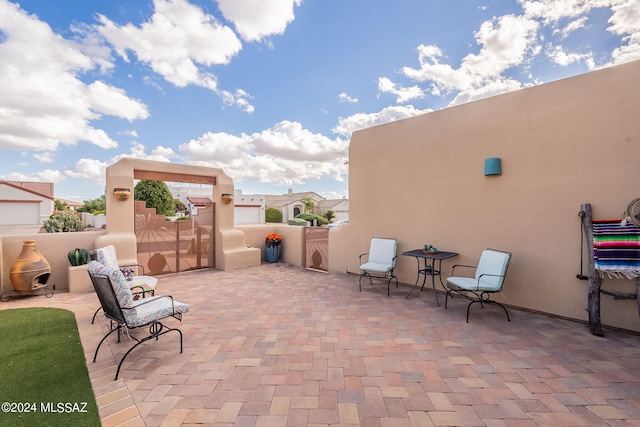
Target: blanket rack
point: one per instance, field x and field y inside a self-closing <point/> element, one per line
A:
<point x="595" y="280"/>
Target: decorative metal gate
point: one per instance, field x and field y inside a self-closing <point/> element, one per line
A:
<point x="316" y="248"/>
<point x="173" y="246"/>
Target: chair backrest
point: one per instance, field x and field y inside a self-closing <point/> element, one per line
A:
<point x="106" y="256"/>
<point x="106" y="295"/>
<point x="116" y="279"/>
<point x="493" y="263"/>
<point x="383" y="251"/>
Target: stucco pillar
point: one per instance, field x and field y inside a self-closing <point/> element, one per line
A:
<point x="231" y="251"/>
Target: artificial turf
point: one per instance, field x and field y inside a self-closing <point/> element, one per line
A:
<point x="43" y="374"/>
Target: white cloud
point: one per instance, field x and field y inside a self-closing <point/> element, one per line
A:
<point x="550" y="12"/>
<point x="283" y="154"/>
<point x="561" y="57"/>
<point x="625" y="22"/>
<point x="346" y="126"/>
<point x="504" y="42"/>
<point x="343" y="97"/>
<point x="94" y="170"/>
<point x="47" y="175"/>
<point x="44" y="156"/>
<point x="179" y="42"/>
<point x="113" y="101"/>
<point x="403" y="94"/>
<point x="44" y="102"/>
<point x="511" y="41"/>
<point x="256" y="19"/>
<point x="571" y="27"/>
<point x="88" y="169"/>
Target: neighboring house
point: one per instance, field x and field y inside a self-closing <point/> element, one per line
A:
<point x="248" y="209"/>
<point x="74" y="206"/>
<point x="25" y="203"/>
<point x="340" y="208"/>
<point x="291" y="204"/>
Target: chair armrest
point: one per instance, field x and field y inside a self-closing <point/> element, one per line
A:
<point x="133" y="265"/>
<point x="361" y="255"/>
<point x="463" y="266"/>
<point x="150" y="300"/>
<point x="486" y="274"/>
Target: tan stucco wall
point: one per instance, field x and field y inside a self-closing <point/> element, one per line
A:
<point x="292" y="240"/>
<point x="231" y="251"/>
<point x="562" y="144"/>
<point x="54" y="247"/>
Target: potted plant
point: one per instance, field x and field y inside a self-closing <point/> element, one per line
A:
<point x="273" y="247"/>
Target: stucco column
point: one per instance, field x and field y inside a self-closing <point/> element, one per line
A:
<point x="231" y="251"/>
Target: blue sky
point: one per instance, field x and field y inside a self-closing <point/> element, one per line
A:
<point x="268" y="90"/>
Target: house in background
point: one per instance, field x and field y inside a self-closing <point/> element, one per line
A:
<point x="248" y="208"/>
<point x="74" y="206"/>
<point x="25" y="203"/>
<point x="291" y="204"/>
<point x="340" y="208"/>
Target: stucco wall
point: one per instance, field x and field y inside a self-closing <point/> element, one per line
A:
<point x="54" y="247"/>
<point x="292" y="240"/>
<point x="562" y="144"/>
<point x="231" y="251"/>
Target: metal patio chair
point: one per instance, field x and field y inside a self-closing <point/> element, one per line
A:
<point x="488" y="279"/>
<point x="140" y="286"/>
<point x="381" y="261"/>
<point x="125" y="313"/>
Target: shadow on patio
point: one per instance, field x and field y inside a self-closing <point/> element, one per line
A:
<point x="276" y="345"/>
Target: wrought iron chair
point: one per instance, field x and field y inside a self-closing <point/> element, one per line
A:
<point x="488" y="279"/>
<point x="126" y="314"/>
<point x="140" y="286"/>
<point x="381" y="261"/>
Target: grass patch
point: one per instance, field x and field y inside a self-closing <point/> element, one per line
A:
<point x="43" y="374"/>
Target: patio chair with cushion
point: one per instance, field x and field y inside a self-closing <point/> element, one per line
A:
<point x="126" y="314"/>
<point x="381" y="261"/>
<point x="488" y="279"/>
<point x="140" y="286"/>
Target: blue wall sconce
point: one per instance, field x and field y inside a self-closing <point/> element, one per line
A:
<point x="492" y="166"/>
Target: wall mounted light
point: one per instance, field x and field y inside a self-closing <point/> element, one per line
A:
<point x="492" y="166"/>
<point x="121" y="193"/>
<point x="227" y="198"/>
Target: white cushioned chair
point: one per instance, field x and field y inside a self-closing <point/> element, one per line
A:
<point x="125" y="313"/>
<point x="488" y="279"/>
<point x="381" y="261"/>
<point x="140" y="286"/>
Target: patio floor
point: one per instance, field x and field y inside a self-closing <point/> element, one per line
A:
<point x="277" y="345"/>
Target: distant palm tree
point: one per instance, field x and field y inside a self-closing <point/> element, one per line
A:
<point x="309" y="204"/>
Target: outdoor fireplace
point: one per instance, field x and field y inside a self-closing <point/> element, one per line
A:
<point x="30" y="271"/>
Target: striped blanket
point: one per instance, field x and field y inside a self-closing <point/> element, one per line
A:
<point x="616" y="249"/>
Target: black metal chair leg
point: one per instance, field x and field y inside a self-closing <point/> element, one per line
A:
<point x="95" y="314"/>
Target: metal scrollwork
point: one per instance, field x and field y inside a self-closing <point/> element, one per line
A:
<point x="155" y="328"/>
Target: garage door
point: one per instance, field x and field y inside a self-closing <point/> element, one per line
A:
<point x="19" y="213"/>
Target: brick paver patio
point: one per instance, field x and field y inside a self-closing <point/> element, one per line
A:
<point x="276" y="345"/>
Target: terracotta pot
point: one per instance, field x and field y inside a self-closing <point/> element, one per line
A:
<point x="30" y="270"/>
<point x="122" y="194"/>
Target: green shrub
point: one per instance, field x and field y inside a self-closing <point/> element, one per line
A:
<point x="297" y="221"/>
<point x="310" y="217"/>
<point x="272" y="215"/>
<point x="63" y="222"/>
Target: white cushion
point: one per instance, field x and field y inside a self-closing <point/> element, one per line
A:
<point x="376" y="266"/>
<point x="382" y="251"/>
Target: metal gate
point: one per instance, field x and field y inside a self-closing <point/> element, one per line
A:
<point x="173" y="246"/>
<point x="316" y="248"/>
